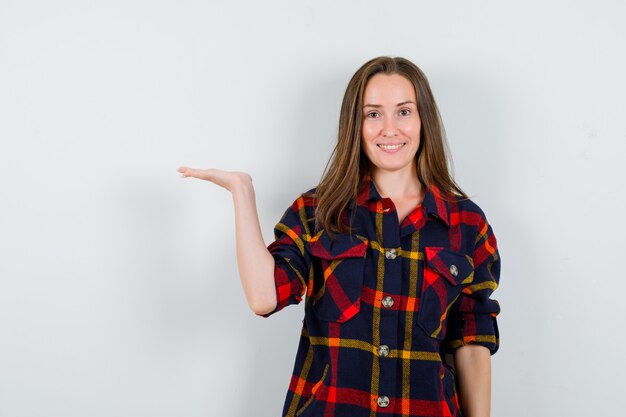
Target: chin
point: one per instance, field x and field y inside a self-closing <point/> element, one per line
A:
<point x="385" y="167"/>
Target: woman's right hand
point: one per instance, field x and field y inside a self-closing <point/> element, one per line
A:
<point x="226" y="179"/>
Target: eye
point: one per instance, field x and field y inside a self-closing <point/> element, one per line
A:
<point x="372" y="113"/>
<point x="407" y="111"/>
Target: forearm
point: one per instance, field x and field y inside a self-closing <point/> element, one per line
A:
<point x="255" y="262"/>
<point x="473" y="366"/>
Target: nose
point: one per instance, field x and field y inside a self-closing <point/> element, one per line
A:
<point x="390" y="128"/>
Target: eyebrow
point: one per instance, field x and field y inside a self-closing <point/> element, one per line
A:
<point x="378" y="105"/>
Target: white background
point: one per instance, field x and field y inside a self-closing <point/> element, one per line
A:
<point x="119" y="290"/>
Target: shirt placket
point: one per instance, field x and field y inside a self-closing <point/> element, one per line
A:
<point x="389" y="306"/>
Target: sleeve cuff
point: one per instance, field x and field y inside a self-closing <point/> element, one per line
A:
<point x="289" y="286"/>
<point x="475" y="328"/>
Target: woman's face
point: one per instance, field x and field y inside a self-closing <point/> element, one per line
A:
<point x="391" y="123"/>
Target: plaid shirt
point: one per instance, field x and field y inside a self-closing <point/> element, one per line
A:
<point x="385" y="304"/>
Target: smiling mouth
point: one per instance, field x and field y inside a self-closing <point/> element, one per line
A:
<point x="391" y="147"/>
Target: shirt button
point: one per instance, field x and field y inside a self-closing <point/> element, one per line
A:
<point x="390" y="253"/>
<point x="383" y="350"/>
<point x="383" y="401"/>
<point x="387" y="301"/>
<point x="453" y="270"/>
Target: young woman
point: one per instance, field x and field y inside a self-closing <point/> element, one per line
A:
<point x="397" y="263"/>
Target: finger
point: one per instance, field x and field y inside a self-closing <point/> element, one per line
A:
<point x="202" y="174"/>
<point x="186" y="171"/>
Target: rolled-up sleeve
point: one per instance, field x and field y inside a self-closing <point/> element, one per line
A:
<point x="292" y="261"/>
<point x="473" y="318"/>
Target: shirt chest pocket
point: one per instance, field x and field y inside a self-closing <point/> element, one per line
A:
<point x="445" y="273"/>
<point x="338" y="279"/>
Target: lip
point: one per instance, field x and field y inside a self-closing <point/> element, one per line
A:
<point x="391" y="144"/>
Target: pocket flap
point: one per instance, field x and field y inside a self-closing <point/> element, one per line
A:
<point x="344" y="246"/>
<point x="456" y="267"/>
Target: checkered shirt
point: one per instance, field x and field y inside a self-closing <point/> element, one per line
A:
<point x="385" y="304"/>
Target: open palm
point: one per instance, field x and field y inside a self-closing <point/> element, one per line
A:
<point x="225" y="179"/>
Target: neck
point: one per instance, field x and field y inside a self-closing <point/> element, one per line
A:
<point x="397" y="185"/>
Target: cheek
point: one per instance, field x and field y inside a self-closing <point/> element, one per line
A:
<point x="412" y="128"/>
<point x="368" y="131"/>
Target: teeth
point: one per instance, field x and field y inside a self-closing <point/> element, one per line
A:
<point x="391" y="147"/>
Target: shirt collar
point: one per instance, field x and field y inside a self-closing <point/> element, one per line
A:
<point x="434" y="204"/>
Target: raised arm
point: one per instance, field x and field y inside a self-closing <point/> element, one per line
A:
<point x="254" y="261"/>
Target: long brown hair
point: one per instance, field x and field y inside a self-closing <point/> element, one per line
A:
<point x="348" y="164"/>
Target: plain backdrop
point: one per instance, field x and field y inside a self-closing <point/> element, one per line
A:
<point x="119" y="289"/>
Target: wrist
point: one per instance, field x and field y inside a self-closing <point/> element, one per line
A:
<point x="242" y="188"/>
